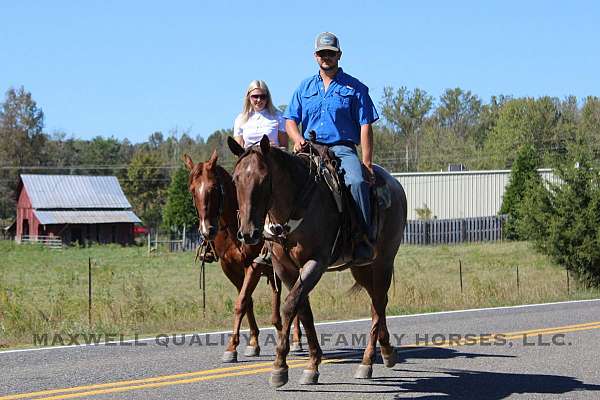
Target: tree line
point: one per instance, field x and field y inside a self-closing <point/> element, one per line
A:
<point x="416" y="132"/>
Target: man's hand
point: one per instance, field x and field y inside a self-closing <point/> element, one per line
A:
<point x="291" y="128"/>
<point x="299" y="145"/>
<point x="370" y="173"/>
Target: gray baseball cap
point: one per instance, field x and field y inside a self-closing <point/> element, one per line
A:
<point x="327" y="41"/>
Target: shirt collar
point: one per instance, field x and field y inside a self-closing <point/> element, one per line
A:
<point x="261" y="112"/>
<point x="337" y="76"/>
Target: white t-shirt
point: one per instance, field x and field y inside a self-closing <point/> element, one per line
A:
<point x="259" y="123"/>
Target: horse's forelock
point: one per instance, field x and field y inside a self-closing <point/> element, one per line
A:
<point x="250" y="150"/>
<point x="194" y="173"/>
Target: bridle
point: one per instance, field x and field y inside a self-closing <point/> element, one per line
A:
<point x="205" y="242"/>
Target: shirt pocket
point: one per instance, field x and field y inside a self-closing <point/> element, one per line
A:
<point x="342" y="97"/>
<point x="311" y="100"/>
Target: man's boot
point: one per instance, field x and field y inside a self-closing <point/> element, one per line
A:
<point x="364" y="252"/>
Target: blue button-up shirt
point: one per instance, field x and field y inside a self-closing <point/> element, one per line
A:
<point x="337" y="114"/>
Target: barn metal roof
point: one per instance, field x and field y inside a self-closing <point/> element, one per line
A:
<point x="74" y="191"/>
<point x="85" y="217"/>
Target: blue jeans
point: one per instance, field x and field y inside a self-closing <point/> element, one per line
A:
<point x="353" y="177"/>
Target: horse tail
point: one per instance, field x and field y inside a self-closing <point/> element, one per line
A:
<point x="354" y="290"/>
<point x="393" y="280"/>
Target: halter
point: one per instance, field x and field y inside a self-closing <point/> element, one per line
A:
<point x="279" y="231"/>
<point x="206" y="242"/>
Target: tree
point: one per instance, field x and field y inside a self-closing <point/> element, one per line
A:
<point x="22" y="143"/>
<point x="573" y="235"/>
<point x="523" y="175"/>
<point x="404" y="112"/>
<point x="101" y="153"/>
<point x="145" y="186"/>
<point x="179" y="210"/>
<point x="459" y="112"/>
<point x="589" y="126"/>
<point x="523" y="121"/>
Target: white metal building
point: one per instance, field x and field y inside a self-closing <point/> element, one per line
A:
<point x="460" y="194"/>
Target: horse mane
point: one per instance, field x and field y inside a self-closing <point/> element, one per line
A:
<point x="218" y="169"/>
<point x="296" y="166"/>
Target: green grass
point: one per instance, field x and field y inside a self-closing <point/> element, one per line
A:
<point x="45" y="291"/>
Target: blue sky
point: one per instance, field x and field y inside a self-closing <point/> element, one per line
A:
<point x="127" y="69"/>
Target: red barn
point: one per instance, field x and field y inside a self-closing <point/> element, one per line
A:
<point x="74" y="208"/>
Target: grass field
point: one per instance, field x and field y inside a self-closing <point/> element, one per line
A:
<point x="45" y="291"/>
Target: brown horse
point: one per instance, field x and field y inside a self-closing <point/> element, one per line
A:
<point x="273" y="183"/>
<point x="215" y="200"/>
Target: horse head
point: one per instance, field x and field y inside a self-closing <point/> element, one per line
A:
<point x="252" y="177"/>
<point x="207" y="192"/>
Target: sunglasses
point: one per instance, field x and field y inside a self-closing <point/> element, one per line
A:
<point x="258" y="96"/>
<point x="326" y="53"/>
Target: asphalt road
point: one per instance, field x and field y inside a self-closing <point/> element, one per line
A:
<point x="539" y="351"/>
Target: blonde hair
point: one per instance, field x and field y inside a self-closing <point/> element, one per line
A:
<point x="247" y="108"/>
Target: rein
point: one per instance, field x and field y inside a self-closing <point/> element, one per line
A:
<point x="281" y="230"/>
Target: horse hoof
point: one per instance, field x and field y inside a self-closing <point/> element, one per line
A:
<point x="252" y="351"/>
<point x="309" y="377"/>
<point x="389" y="360"/>
<point x="279" y="377"/>
<point x="230" y="357"/>
<point x="364" y="372"/>
<point x="296" y="347"/>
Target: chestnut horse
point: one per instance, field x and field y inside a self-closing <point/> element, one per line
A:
<point x="215" y="200"/>
<point x="273" y="183"/>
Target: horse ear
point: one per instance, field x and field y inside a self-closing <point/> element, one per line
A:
<point x="188" y="162"/>
<point x="265" y="144"/>
<point x="234" y="146"/>
<point x="213" y="159"/>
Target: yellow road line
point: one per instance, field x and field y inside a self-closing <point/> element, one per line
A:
<point x="145" y="380"/>
<point x="175" y="382"/>
<point x="256" y="368"/>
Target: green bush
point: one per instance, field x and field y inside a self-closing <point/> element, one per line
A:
<point x="564" y="220"/>
<point x="179" y="210"/>
<point x="522" y="176"/>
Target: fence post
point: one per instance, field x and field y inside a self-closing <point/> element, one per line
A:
<point x="460" y="272"/>
<point x="149" y="240"/>
<point x="183" y="239"/>
<point x="427" y="232"/>
<point x="518" y="279"/>
<point x="568" y="289"/>
<point x="89" y="292"/>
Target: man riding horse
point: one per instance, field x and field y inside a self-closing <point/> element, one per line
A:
<point x="339" y="109"/>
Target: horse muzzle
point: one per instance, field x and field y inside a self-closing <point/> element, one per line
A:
<point x="250" y="238"/>
<point x="208" y="232"/>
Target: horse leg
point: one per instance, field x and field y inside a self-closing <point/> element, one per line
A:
<point x="388" y="353"/>
<point x="253" y="348"/>
<point x="243" y="305"/>
<point x="296" y="346"/>
<point x="297" y="297"/>
<point x="275" y="284"/>
<point x="310" y="376"/>
<point x="276" y="316"/>
<point x="382" y="280"/>
<point x="377" y="284"/>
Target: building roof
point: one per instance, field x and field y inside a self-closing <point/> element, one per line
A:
<point x="85" y="217"/>
<point x="74" y="192"/>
